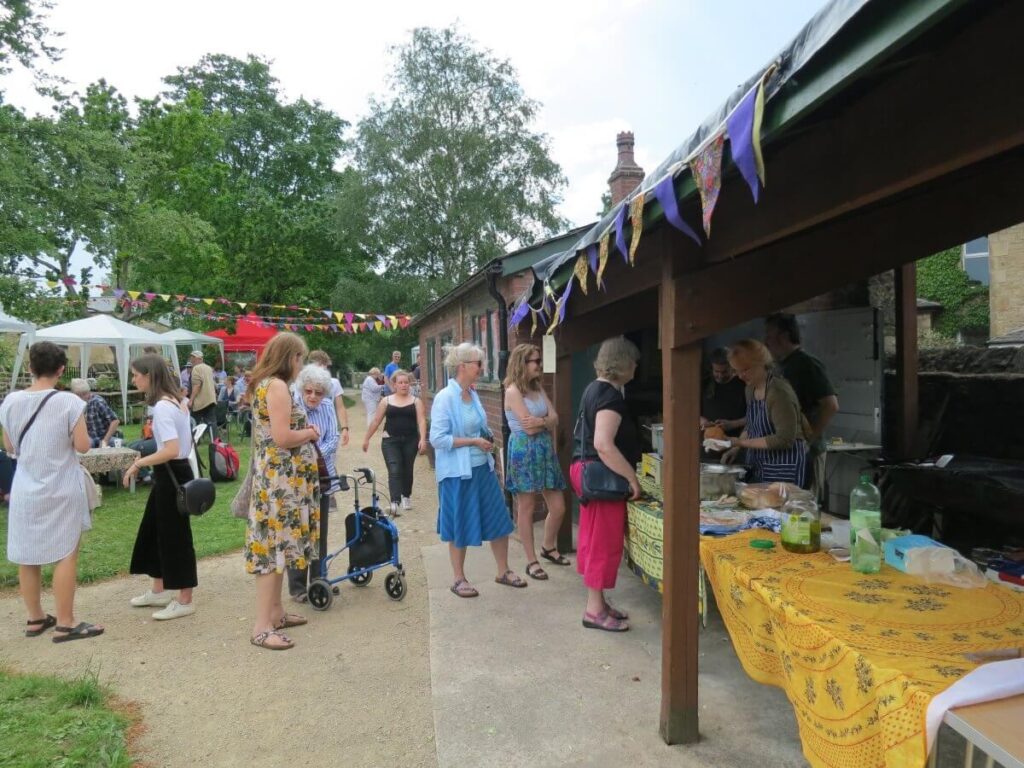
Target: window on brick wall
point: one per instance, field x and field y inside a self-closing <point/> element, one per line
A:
<point x="485" y="337"/>
<point x="432" y="365"/>
<point x="447" y="341"/>
<point x="975" y="259"/>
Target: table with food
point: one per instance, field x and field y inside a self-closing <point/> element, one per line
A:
<point x="873" y="634"/>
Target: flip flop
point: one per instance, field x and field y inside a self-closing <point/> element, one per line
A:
<point x="41" y="625"/>
<point x="534" y="571"/>
<point x="560" y="560"/>
<point x="510" y="579"/>
<point x="83" y="631"/>
<point x="291" y="620"/>
<point x="463" y="588"/>
<point x="260" y="641"/>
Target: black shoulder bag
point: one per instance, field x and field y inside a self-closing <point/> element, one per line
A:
<point x="197" y="495"/>
<point x="598" y="482"/>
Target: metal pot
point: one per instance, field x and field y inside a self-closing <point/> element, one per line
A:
<point x="717" y="480"/>
<point x="657" y="437"/>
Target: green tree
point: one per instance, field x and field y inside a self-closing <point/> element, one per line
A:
<point x="456" y="173"/>
<point x="941" y="278"/>
<point x="24" y="35"/>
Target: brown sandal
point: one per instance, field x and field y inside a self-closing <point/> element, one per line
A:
<point x="291" y="620"/>
<point x="463" y="588"/>
<point x="38" y="626"/>
<point x="534" y="571"/>
<point x="260" y="641"/>
<point x="510" y="579"/>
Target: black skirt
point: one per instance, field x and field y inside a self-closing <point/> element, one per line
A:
<point x="163" y="545"/>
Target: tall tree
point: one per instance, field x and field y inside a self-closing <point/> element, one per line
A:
<point x="24" y="35"/>
<point x="457" y="173"/>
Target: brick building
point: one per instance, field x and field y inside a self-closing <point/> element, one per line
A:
<point x="1006" y="282"/>
<point x="469" y="312"/>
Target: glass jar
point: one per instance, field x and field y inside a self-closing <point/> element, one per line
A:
<point x="801" y="527"/>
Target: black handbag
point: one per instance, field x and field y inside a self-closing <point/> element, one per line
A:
<point x="598" y="482"/>
<point x="194" y="497"/>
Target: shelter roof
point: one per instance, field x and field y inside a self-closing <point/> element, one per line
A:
<point x="844" y="42"/>
<point x="99" y="329"/>
<point x="185" y="336"/>
<point x="250" y="335"/>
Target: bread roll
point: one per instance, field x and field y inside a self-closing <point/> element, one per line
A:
<point x="714" y="432"/>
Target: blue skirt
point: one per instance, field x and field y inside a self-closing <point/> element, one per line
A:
<point x="532" y="464"/>
<point x="472" y="511"/>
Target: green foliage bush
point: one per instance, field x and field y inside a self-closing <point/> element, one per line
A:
<point x="964" y="301"/>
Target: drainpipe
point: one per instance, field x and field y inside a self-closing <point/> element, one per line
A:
<point x="493" y="273"/>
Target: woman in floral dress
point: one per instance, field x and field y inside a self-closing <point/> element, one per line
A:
<point x="284" y="513"/>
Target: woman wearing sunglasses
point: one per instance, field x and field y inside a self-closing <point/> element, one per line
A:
<point x="532" y="464"/>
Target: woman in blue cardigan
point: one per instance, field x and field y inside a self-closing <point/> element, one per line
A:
<point x="472" y="506"/>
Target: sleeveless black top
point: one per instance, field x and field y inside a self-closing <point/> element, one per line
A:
<point x="400" y="421"/>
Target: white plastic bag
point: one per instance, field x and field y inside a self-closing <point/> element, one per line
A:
<point x="942" y="565"/>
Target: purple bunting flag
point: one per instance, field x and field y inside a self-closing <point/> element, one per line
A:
<point x="666" y="195"/>
<point x="620" y="236"/>
<point x="742" y="136"/>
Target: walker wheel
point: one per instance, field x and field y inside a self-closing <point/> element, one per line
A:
<point x="361" y="580"/>
<point x="394" y="585"/>
<point x="320" y="594"/>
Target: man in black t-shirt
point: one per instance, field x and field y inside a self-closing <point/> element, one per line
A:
<point x="725" y="399"/>
<point x="809" y="379"/>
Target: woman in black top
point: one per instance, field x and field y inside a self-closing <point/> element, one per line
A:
<point x="405" y="435"/>
<point x="605" y="431"/>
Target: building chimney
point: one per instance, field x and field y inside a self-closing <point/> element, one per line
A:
<point x="627" y="174"/>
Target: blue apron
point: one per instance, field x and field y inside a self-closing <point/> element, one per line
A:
<point x="788" y="465"/>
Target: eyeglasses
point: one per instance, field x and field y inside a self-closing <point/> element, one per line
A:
<point x="312" y="393"/>
<point x="479" y="363"/>
<point x="534" y="360"/>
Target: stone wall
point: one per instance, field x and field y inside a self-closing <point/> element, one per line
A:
<point x="1006" y="277"/>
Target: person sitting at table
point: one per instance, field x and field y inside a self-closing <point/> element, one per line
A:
<point x="100" y="419"/>
<point x="775" y="434"/>
<point x="49" y="511"/>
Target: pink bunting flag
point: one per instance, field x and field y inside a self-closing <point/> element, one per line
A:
<point x="707" y="175"/>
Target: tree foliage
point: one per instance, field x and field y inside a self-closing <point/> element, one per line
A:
<point x="456" y="172"/>
<point x="24" y="35"/>
<point x="965" y="305"/>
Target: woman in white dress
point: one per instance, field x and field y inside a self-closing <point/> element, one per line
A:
<point x="372" y="391"/>
<point x="49" y="509"/>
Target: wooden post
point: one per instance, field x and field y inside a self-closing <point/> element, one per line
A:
<point x="906" y="360"/>
<point x="681" y="486"/>
<point x="563" y="442"/>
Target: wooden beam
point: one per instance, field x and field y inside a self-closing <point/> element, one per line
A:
<point x="943" y="112"/>
<point x="630" y="314"/>
<point x="564" y="442"/>
<point x="681" y="367"/>
<point x="984" y="198"/>
<point x="906" y="359"/>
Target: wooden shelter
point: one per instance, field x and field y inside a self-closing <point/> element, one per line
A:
<point x="899" y="133"/>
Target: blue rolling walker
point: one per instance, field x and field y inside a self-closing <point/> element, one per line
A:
<point x="371" y="539"/>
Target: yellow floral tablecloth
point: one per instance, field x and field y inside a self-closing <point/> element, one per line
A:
<point x="859" y="656"/>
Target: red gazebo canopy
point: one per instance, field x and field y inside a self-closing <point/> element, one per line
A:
<point x="250" y="335"/>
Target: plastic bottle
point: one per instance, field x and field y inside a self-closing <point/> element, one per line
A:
<point x="866" y="527"/>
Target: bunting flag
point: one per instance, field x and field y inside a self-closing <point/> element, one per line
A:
<point x="744" y="129"/>
<point x="519" y="313"/>
<point x="592" y="257"/>
<point x="51" y="283"/>
<point x="706" y="168"/>
<point x="580" y="272"/>
<point x="620" y="236"/>
<point x="636" y="221"/>
<point x="533" y="327"/>
<point x="602" y="258"/>
<point x="558" y="315"/>
<point x="665" y="194"/>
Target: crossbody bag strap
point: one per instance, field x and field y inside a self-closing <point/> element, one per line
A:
<point x="31" y="421"/>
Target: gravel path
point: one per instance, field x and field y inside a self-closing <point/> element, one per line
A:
<point x="355" y="690"/>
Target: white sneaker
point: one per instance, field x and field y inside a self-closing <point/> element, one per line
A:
<point x="174" y="610"/>
<point x="406" y="502"/>
<point x="394" y="510"/>
<point x="151" y="598"/>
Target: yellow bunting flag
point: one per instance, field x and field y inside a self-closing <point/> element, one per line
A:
<point x="339" y="316"/>
<point x="581" y="271"/>
<point x="533" y="318"/>
<point x="209" y="302"/>
<point x="134" y="295"/>
<point x="241" y="304"/>
<point x="602" y="256"/>
<point x="378" y="325"/>
<point x="165" y="296"/>
<point x="394" y="321"/>
<point x="636" y="219"/>
<point x="756" y="132"/>
<point x="51" y="283"/>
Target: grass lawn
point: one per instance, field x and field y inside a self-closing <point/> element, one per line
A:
<point x="45" y="721"/>
<point x="107" y="548"/>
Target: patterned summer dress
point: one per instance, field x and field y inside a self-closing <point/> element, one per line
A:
<point x="284" y="514"/>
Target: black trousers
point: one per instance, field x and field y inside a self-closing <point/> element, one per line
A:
<point x="163" y="545"/>
<point x="298" y="578"/>
<point x="400" y="457"/>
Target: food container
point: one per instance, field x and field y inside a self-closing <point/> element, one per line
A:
<point x="801" y="527"/>
<point x="657" y="438"/>
<point x="650" y="464"/>
<point x="717" y="480"/>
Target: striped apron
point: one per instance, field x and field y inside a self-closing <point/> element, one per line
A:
<point x="788" y="465"/>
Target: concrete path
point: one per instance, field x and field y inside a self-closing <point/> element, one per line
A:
<point x="516" y="680"/>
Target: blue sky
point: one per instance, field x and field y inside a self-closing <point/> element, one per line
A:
<point x="655" y="67"/>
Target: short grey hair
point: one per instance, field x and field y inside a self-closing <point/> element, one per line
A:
<point x="462" y="353"/>
<point x="80" y="386"/>
<point x="615" y="358"/>
<point x="314" y="376"/>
